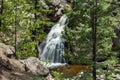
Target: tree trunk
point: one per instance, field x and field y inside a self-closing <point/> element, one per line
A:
<point x="36" y="2"/>
<point x="35" y="6"/>
<point x="94" y="30"/>
<point x="16" y="23"/>
<point x="1" y="13"/>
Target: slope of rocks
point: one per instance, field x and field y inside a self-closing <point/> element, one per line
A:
<point x="13" y="69"/>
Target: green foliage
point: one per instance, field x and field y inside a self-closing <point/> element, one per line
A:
<point x="30" y="19"/>
<point x="61" y="76"/>
<point x="57" y="75"/>
<point x="81" y="59"/>
<point x="83" y="75"/>
<point x="38" y="77"/>
<point x="79" y="32"/>
<point x="27" y="49"/>
<point x="36" y="28"/>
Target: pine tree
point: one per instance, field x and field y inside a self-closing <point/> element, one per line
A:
<point x="81" y="31"/>
<point x="36" y="22"/>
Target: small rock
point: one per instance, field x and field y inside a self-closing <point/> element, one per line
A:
<point x="55" y="2"/>
<point x="50" y="77"/>
<point x="115" y="76"/>
<point x="9" y="50"/>
<point x="118" y="76"/>
<point x="102" y="77"/>
<point x="44" y="4"/>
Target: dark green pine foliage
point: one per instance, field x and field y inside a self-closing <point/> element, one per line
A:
<point x="8" y="21"/>
<point x="3" y="22"/>
<point x="35" y="23"/>
<point x="79" y="34"/>
<point x="24" y="23"/>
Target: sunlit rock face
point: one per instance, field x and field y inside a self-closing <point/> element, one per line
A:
<point x="35" y="66"/>
<point x="59" y="6"/>
<point x="61" y="3"/>
<point x="52" y="49"/>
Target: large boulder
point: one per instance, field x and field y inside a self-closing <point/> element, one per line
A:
<point x="35" y="66"/>
<point x="12" y="75"/>
<point x="31" y="64"/>
<point x="13" y="69"/>
<point x="10" y="64"/>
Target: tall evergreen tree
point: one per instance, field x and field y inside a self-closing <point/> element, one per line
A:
<point x="36" y="22"/>
<point x="93" y="16"/>
<point x="82" y="33"/>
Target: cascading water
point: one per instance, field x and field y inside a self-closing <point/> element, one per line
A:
<point x="52" y="49"/>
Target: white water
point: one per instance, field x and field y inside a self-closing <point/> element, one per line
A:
<point x="52" y="49"/>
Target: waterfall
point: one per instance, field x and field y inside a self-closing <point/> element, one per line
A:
<point x="51" y="50"/>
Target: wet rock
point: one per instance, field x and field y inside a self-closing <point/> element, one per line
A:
<point x="35" y="66"/>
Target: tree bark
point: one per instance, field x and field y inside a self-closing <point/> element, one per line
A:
<point x="94" y="30"/>
<point x="1" y="13"/>
<point x="36" y="2"/>
<point x="35" y="6"/>
<point x="16" y="23"/>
